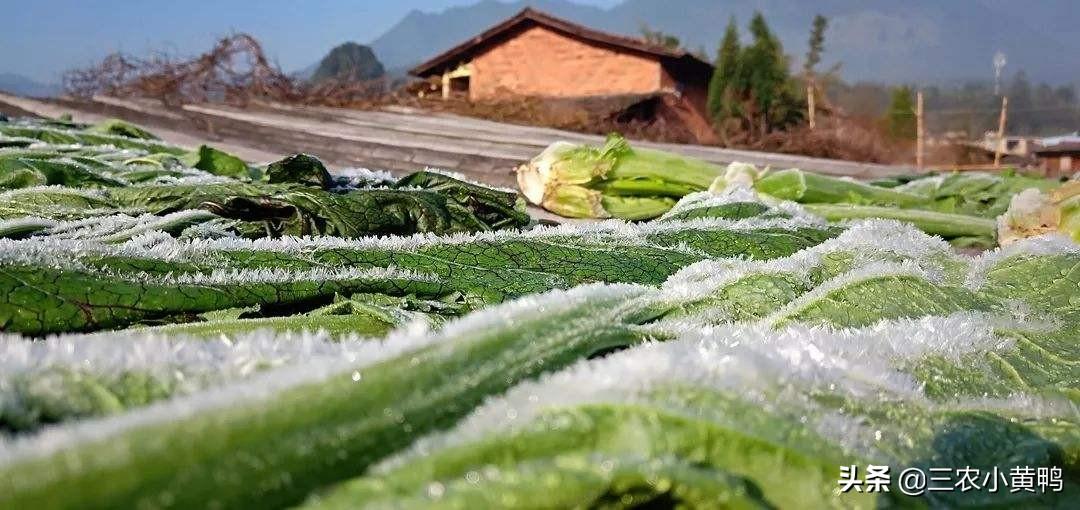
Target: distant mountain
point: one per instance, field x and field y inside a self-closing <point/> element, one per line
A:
<point x="925" y="41"/>
<point x="349" y="61"/>
<point x="23" y="86"/>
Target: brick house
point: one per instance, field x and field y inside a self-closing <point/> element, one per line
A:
<point x="536" y="54"/>
<point x="1059" y="160"/>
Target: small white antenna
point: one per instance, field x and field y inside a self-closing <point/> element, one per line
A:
<point x="999" y="65"/>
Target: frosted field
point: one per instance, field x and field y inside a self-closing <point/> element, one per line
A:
<point x="261" y="347"/>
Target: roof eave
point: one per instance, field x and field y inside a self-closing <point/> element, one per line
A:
<point x="457" y="52"/>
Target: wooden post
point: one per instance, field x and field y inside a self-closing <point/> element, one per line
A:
<point x="920" y="133"/>
<point x="446" y="85"/>
<point x="1001" y="131"/>
<point x="810" y="104"/>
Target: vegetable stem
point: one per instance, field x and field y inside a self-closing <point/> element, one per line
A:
<point x="942" y="224"/>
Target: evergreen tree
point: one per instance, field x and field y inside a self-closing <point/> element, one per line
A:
<point x="900" y="119"/>
<point x="752" y="84"/>
<point x="722" y="102"/>
<point x="767" y="75"/>
<point x="816" y="46"/>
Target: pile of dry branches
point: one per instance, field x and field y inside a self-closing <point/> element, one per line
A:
<point x="234" y="71"/>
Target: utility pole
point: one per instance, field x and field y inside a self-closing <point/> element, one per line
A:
<point x="1001" y="131"/>
<point x="810" y="103"/>
<point x="920" y="134"/>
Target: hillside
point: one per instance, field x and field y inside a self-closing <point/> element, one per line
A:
<point x="915" y="41"/>
<point x="349" y="62"/>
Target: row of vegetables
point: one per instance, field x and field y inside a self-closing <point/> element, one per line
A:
<point x="969" y="209"/>
<point x="187" y="330"/>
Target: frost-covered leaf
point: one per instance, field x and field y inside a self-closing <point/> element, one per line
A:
<point x="299" y="169"/>
<point x="217" y="162"/>
<point x="349" y="413"/>
<point x="55" y="286"/>
<point x="121" y="128"/>
<point x="65" y="378"/>
<point x="294" y="196"/>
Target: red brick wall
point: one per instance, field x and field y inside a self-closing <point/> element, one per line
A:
<point x="541" y="62"/>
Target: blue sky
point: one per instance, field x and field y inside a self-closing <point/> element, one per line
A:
<point x="42" y="38"/>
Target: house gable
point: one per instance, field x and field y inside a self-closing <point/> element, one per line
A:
<point x="453" y="57"/>
<point x="536" y="60"/>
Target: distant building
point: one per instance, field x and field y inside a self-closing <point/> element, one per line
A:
<point x="1060" y="159"/>
<point x="536" y="54"/>
<point x="1073" y="137"/>
<point x="1020" y="146"/>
